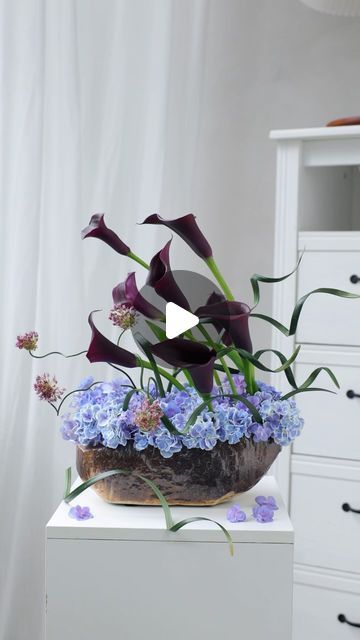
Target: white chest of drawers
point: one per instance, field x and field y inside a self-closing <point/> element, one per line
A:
<point x="122" y="575"/>
<point x="318" y="211"/>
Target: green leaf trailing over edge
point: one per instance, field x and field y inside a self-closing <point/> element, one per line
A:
<point x="170" y="524"/>
<point x="183" y="523"/>
<point x="299" y="390"/>
<point x="256" y="278"/>
<point x="298" y="308"/>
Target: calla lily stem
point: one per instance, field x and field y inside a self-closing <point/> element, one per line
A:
<point x="133" y="256"/>
<point x="147" y="365"/>
<point x="216" y="273"/>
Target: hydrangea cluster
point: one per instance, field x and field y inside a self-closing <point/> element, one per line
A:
<point x="97" y="417"/>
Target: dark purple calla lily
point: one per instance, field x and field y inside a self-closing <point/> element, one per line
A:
<point x="161" y="278"/>
<point x="127" y="293"/>
<point x="98" y="229"/>
<point x="193" y="356"/>
<point x="186" y="227"/>
<point x="101" y="349"/>
<point x="233" y="317"/>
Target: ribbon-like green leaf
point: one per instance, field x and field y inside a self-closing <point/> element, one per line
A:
<point x="170" y="525"/>
<point x="183" y="523"/>
<point x="256" y="278"/>
<point x="128" y="397"/>
<point x="298" y="308"/>
<point x="254" y="358"/>
<point x="158" y="332"/>
<point x="288" y="370"/>
<point x="300" y="390"/>
<point x="169" y="425"/>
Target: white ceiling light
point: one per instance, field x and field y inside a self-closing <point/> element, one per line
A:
<point x="336" y="7"/>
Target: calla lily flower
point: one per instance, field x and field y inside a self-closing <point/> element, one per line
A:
<point x="101" y="349"/>
<point x="186" y="227"/>
<point x="161" y="278"/>
<point x="193" y="356"/>
<point x="233" y="317"/>
<point x="214" y="298"/>
<point x="127" y="293"/>
<point x="98" y="229"/>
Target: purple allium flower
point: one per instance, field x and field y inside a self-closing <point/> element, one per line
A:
<point x="47" y="388"/>
<point x="263" y="513"/>
<point x="123" y="316"/>
<point x="80" y="513"/>
<point x="27" y="341"/>
<point x="235" y="514"/>
<point x="148" y="415"/>
<point x="268" y="502"/>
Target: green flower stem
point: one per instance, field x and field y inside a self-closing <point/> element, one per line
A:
<point x="216" y="272"/>
<point x="58" y="353"/>
<point x="249" y="374"/>
<point x="120" y="336"/>
<point x="133" y="256"/>
<point x="164" y="373"/>
<point x="229" y="376"/>
<point x="215" y="346"/>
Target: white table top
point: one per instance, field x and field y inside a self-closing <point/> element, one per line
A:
<point x="123" y="522"/>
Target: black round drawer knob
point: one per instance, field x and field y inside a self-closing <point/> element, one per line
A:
<point x="354" y="279"/>
<point x="346" y="507"/>
<point x="351" y="394"/>
<point x="343" y="618"/>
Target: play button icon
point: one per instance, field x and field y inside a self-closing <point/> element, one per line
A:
<point x="178" y="320"/>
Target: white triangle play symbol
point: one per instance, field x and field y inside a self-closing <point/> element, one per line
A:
<point x="178" y="320"/>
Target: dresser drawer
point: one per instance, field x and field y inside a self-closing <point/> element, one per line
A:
<point x="331" y="422"/>
<point x="326" y="319"/>
<point x="316" y="613"/>
<point x="326" y="535"/>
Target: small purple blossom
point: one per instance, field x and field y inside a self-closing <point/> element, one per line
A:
<point x="47" y="388"/>
<point x="80" y="513"/>
<point x="123" y="316"/>
<point x="268" y="502"/>
<point x="235" y="514"/>
<point x="27" y="341"/>
<point x="263" y="513"/>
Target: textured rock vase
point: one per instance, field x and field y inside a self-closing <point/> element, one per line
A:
<point x="192" y="477"/>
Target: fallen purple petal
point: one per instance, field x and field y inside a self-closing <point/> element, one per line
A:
<point x="235" y="514"/>
<point x="268" y="502"/>
<point x="80" y="513"/>
<point x="263" y="513"/>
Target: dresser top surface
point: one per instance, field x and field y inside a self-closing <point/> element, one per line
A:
<point x="316" y="133"/>
<point x="122" y="522"/>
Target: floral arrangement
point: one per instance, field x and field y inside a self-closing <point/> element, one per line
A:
<point x="209" y="395"/>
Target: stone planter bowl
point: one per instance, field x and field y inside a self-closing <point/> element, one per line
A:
<point x="191" y="477"/>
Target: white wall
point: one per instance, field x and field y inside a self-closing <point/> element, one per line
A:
<point x="269" y="64"/>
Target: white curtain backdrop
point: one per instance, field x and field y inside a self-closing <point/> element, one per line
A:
<point x="89" y="93"/>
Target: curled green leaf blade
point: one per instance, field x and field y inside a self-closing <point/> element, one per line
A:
<point x="256" y="278"/>
<point x="183" y="523"/>
<point x="300" y="390"/>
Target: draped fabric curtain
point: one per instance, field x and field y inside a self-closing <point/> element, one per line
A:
<point x="100" y="106"/>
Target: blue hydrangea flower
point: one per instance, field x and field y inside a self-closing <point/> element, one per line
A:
<point x="96" y="417"/>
